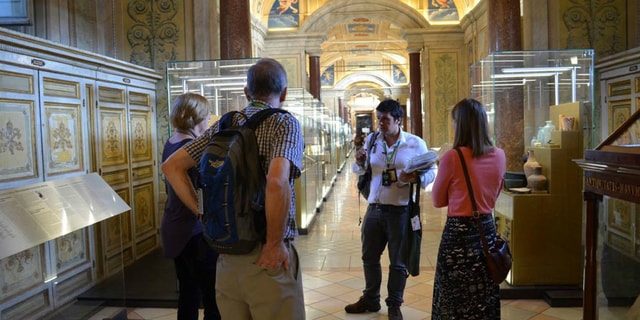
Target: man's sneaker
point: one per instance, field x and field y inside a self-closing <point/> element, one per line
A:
<point x="362" y="306"/>
<point x="394" y="313"/>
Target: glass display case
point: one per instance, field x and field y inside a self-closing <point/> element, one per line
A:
<point x="222" y="83"/>
<point x="612" y="245"/>
<point x="546" y="97"/>
<point x="543" y="78"/>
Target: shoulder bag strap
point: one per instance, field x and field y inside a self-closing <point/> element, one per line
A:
<point x="372" y="141"/>
<point x="374" y="136"/>
<point x="476" y="214"/>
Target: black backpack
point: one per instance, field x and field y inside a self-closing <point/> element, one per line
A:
<point x="233" y="185"/>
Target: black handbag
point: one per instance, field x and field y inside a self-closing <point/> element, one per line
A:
<point x="498" y="257"/>
<point x="413" y="238"/>
<point x="364" y="180"/>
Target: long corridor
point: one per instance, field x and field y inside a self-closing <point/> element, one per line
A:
<point x="332" y="268"/>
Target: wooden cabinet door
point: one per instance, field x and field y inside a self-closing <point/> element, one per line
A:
<point x="20" y="158"/>
<point x="141" y="105"/>
<point x="64" y="119"/>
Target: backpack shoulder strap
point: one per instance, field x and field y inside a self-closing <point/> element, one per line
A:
<point x="374" y="136"/>
<point x="226" y="120"/>
<point x="372" y="141"/>
<point x="261" y="115"/>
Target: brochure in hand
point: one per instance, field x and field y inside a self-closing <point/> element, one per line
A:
<point x="421" y="162"/>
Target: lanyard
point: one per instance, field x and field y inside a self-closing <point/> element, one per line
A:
<point x="259" y="104"/>
<point x="390" y="158"/>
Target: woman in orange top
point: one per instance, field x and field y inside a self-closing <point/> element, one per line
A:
<point x="463" y="288"/>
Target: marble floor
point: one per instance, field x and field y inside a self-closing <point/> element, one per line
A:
<point x="332" y="271"/>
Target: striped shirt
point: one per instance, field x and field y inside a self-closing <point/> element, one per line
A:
<point x="279" y="135"/>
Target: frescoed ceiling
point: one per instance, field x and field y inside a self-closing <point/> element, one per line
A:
<point x="362" y="36"/>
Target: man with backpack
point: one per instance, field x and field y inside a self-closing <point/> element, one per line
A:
<point x="265" y="283"/>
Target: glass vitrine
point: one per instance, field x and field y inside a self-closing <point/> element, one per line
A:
<point x="544" y="78"/>
<point x="546" y="96"/>
<point x="222" y="83"/>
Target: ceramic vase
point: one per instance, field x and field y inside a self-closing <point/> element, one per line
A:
<point x="536" y="181"/>
<point x="547" y="129"/>
<point x="530" y="164"/>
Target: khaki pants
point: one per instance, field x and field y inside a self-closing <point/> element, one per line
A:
<point x="245" y="291"/>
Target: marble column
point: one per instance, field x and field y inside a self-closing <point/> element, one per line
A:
<point x="314" y="76"/>
<point x="505" y="35"/>
<point x="415" y="93"/>
<point x="235" y="29"/>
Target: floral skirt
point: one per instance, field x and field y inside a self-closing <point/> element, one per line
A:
<point x="462" y="287"/>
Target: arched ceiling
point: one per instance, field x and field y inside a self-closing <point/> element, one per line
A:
<point x="364" y="36"/>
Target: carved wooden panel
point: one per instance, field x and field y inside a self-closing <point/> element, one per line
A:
<point x="145" y="246"/>
<point x="17" y="140"/>
<point x="21" y="272"/>
<point x="620" y="225"/>
<point x="118" y="229"/>
<point x="60" y="88"/>
<point x="139" y="99"/>
<point x="140" y="126"/>
<point x="66" y="289"/>
<point x="113" y="137"/>
<point x="116" y="262"/>
<point x="63" y="138"/>
<point x="111" y="95"/>
<point x="619" y="88"/>
<point x="30" y="308"/>
<point x="144" y="210"/>
<point x="72" y="250"/>
<point x="619" y="216"/>
<point x="142" y="173"/>
<point x="16" y="82"/>
<point x="115" y="178"/>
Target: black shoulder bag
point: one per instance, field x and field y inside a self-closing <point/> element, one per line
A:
<point x="364" y="180"/>
<point x="499" y="256"/>
<point x="413" y="236"/>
